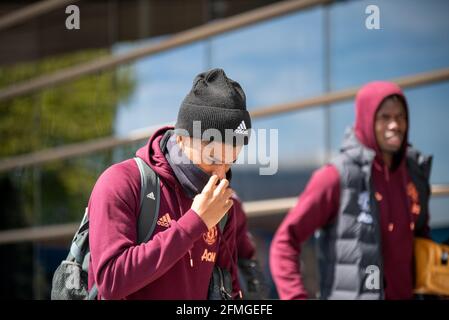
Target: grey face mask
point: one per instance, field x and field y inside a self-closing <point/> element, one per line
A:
<point x="191" y="177"/>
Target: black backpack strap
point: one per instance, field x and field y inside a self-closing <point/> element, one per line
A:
<point x="80" y="242"/>
<point x="222" y="222"/>
<point x="149" y="201"/>
<point x="149" y="208"/>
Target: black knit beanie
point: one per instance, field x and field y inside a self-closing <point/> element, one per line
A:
<point x="218" y="103"/>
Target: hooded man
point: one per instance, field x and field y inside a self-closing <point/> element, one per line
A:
<point x="178" y="260"/>
<point x="369" y="202"/>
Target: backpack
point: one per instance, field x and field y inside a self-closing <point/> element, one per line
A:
<point x="70" y="280"/>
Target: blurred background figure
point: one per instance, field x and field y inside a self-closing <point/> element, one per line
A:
<point x="370" y="202"/>
<point x="74" y="101"/>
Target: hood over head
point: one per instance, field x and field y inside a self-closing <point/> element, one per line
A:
<point x="367" y="102"/>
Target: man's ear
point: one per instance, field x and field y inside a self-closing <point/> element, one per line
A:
<point x="183" y="143"/>
<point x="180" y="141"/>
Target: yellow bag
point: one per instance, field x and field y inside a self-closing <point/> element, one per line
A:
<point x="431" y="267"/>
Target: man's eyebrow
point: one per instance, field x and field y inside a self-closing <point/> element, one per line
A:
<point x="220" y="161"/>
<point x="215" y="159"/>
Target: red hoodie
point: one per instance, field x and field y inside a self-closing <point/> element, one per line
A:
<point x="319" y="204"/>
<point x="161" y="267"/>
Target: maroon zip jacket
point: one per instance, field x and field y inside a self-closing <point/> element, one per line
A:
<point x="160" y="268"/>
<point x="319" y="204"/>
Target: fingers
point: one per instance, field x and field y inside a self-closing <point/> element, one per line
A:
<point x="210" y="186"/>
<point x="222" y="186"/>
<point x="228" y="193"/>
<point x="228" y="204"/>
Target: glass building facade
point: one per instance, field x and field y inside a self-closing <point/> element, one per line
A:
<point x="297" y="56"/>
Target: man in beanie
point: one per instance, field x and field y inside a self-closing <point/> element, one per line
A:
<point x="369" y="202"/>
<point x="193" y="163"/>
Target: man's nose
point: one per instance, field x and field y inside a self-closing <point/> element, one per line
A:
<point x="220" y="171"/>
<point x="393" y="125"/>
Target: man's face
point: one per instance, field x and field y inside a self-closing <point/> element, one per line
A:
<point x="390" y="125"/>
<point x="212" y="157"/>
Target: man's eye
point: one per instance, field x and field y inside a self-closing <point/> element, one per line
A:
<point x="212" y="160"/>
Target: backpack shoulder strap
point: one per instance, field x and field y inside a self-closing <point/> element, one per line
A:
<point x="222" y="222"/>
<point x="80" y="242"/>
<point x="149" y="201"/>
<point x="149" y="209"/>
